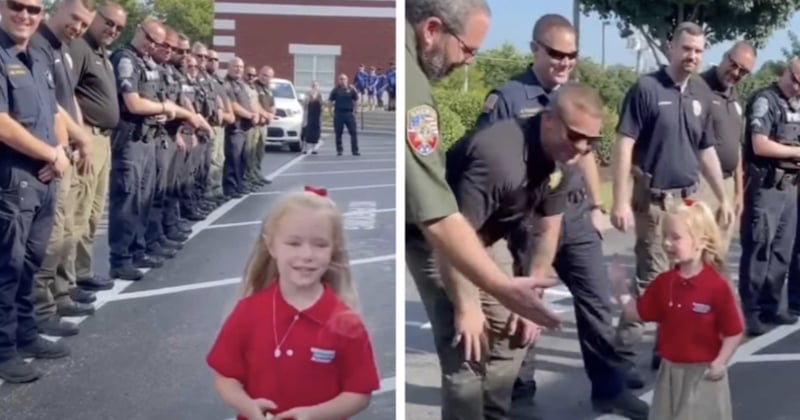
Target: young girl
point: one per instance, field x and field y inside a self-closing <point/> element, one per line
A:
<point x="700" y="326"/>
<point x="294" y="347"/>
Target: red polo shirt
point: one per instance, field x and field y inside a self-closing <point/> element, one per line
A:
<point x="703" y="311"/>
<point x="331" y="351"/>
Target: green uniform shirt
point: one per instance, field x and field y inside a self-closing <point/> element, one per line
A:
<point x="265" y="97"/>
<point x="428" y="196"/>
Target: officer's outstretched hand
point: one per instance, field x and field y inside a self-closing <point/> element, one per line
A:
<point x="725" y="214"/>
<point x="520" y="295"/>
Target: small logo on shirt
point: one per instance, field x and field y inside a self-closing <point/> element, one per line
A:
<point x="322" y="355"/>
<point x="697" y="108"/>
<point x="700" y="308"/>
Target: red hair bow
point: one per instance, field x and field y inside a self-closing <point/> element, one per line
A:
<point x="688" y="201"/>
<point x="322" y="192"/>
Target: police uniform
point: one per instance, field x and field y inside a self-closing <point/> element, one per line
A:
<point x="769" y="217"/>
<point x="163" y="211"/>
<point x="497" y="189"/>
<point x="235" y="140"/>
<point x="428" y="198"/>
<point x="96" y="94"/>
<point x="344" y="102"/>
<point x="267" y="101"/>
<point x="27" y="205"/>
<point x="51" y="291"/>
<point x="133" y="166"/>
<point x="579" y="259"/>
<point x="195" y="93"/>
<point x="205" y="103"/>
<point x="217" y="152"/>
<point x="727" y="115"/>
<point x="670" y="128"/>
<point x="252" y="167"/>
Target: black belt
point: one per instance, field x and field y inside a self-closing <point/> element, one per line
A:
<point x="727" y="174"/>
<point x="660" y="195"/>
<point x="577" y="196"/>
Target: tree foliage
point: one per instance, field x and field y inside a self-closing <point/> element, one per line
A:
<point x="723" y="20"/>
<point x="193" y="17"/>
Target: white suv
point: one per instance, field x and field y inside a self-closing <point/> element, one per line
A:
<point x="287" y="123"/>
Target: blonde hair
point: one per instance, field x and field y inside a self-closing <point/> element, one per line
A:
<point x="262" y="271"/>
<point x="703" y="226"/>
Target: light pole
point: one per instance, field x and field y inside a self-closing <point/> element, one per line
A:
<point x="603" y="53"/>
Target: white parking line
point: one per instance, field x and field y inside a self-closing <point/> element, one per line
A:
<point x="216" y="283"/>
<point x="354" y="187"/>
<point x="106" y="296"/>
<point x="331" y="162"/>
<point x="760" y="358"/>
<point x="257" y="222"/>
<point x="357" y="171"/>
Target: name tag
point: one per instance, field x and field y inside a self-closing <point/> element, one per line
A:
<point x="322" y="355"/>
<point x="152" y="75"/>
<point x="700" y="308"/>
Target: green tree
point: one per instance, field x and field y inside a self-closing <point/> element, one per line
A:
<point x="794" y="47"/>
<point x="723" y="20"/>
<point x="192" y="17"/>
<point x="765" y="75"/>
<point x="455" y="81"/>
<point x="500" y="64"/>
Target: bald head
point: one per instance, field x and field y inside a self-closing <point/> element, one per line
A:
<point x="112" y="9"/>
<point x="737" y="63"/>
<point x="573" y="121"/>
<point x="154" y="25"/>
<point x="572" y="99"/>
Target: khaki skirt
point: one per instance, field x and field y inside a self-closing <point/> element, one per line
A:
<point x="683" y="393"/>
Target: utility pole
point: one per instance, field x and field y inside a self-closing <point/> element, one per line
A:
<point x="576" y="21"/>
<point x="603" y="57"/>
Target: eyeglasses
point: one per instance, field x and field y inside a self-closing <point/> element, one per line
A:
<point x="111" y="24"/>
<point x="742" y="70"/>
<point x="557" y="54"/>
<point x="252" y="76"/>
<point x="466" y="49"/>
<point x="152" y="40"/>
<point x="19" y="8"/>
<point x="213" y="59"/>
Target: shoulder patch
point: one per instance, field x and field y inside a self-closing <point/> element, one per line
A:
<point x="760" y="107"/>
<point x="422" y="134"/>
<point x="491" y="101"/>
<point x="555" y="179"/>
<point x="125" y="68"/>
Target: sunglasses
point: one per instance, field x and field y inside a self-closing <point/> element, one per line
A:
<point x="111" y="24"/>
<point x="556" y="54"/>
<point x="19" y="8"/>
<point x="252" y="76"/>
<point x="742" y="70"/>
<point x="576" y="138"/>
<point x="213" y="59"/>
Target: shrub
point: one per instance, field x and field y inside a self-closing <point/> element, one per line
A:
<point x="450" y="127"/>
<point x="606" y="148"/>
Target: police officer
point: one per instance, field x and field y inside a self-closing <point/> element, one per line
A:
<point x="96" y="94"/>
<point x="432" y="216"/>
<point x="665" y="137"/>
<point x="252" y="168"/>
<point x="236" y="134"/>
<point x="133" y="149"/>
<point x="52" y="298"/>
<point x="32" y="158"/>
<point x="343" y="100"/>
<point x="497" y="188"/>
<point x="210" y="106"/>
<point x="578" y="259"/>
<point x="769" y="219"/>
<point x="217" y="153"/>
<point x="726" y="113"/>
<point x="163" y="212"/>
<point x="266" y="102"/>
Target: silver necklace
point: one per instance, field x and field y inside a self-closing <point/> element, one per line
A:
<point x="277" y="352"/>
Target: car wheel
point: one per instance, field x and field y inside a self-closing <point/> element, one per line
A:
<point x="296" y="147"/>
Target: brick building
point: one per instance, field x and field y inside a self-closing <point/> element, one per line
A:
<point x="305" y="40"/>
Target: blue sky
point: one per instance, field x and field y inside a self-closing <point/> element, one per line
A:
<point x="512" y="21"/>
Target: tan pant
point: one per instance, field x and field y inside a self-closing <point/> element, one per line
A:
<point x="217" y="162"/>
<point x="90" y="193"/>
<point x="704" y="191"/>
<point x="50" y="289"/>
<point x="470" y="391"/>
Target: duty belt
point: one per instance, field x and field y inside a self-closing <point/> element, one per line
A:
<point x="727" y="174"/>
<point x="577" y="196"/>
<point x="661" y="195"/>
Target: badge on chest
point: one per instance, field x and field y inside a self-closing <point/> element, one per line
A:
<point x="322" y="355"/>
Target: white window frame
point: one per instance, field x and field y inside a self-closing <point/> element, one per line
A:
<point x="315" y="52"/>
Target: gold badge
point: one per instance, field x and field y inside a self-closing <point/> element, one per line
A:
<point x="555" y="179"/>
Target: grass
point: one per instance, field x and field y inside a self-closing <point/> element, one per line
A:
<point x="607" y="194"/>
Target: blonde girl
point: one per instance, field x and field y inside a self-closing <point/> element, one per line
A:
<point x="699" y="323"/>
<point x="294" y="346"/>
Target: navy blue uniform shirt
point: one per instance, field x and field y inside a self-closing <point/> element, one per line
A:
<point x="766" y="112"/>
<point x="498" y="187"/>
<point x="521" y="97"/>
<point x="344" y="99"/>
<point x="134" y="74"/>
<point x="96" y="88"/>
<point x="58" y="53"/>
<point x="669" y="128"/>
<point x="726" y="112"/>
<point x="27" y="89"/>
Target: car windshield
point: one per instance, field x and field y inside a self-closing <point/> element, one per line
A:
<point x="282" y="90"/>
